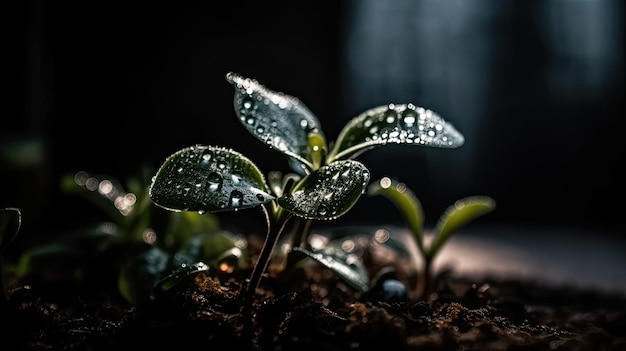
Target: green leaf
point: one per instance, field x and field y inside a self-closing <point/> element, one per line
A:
<point x="282" y="184"/>
<point x="329" y="192"/>
<point x="67" y="256"/>
<point x="138" y="277"/>
<point x="345" y="266"/>
<point x="216" y="249"/>
<point x="208" y="179"/>
<point x="405" y="201"/>
<point x="394" y="124"/>
<point x="182" y="225"/>
<point x="458" y="215"/>
<point x="10" y="222"/>
<point x="52" y="262"/>
<point x="182" y="275"/>
<point x="280" y="121"/>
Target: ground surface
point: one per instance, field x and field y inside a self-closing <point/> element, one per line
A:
<point x="323" y="314"/>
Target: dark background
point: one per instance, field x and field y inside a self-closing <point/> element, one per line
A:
<point x="536" y="87"/>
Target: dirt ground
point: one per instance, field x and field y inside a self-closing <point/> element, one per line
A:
<point x="319" y="313"/>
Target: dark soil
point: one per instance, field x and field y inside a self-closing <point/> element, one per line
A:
<point x="320" y="312"/>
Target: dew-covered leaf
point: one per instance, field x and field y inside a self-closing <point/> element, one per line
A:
<point x="328" y="192"/>
<point x="281" y="121"/>
<point x="347" y="267"/>
<point x="394" y="124"/>
<point x="362" y="245"/>
<point x="208" y="179"/>
<point x="458" y="215"/>
<point x="10" y="221"/>
<point x="183" y="274"/>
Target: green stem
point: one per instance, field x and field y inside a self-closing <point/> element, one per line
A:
<point x="274" y="229"/>
<point x="301" y="232"/>
<point x="425" y="281"/>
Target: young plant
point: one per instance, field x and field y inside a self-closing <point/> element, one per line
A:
<point x="123" y="251"/>
<point x="453" y="218"/>
<point x="326" y="182"/>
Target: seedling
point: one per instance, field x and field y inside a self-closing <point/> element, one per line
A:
<point x="453" y="218"/>
<point x="123" y="248"/>
<point x="327" y="180"/>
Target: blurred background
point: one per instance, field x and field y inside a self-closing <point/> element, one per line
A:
<point x="536" y="87"/>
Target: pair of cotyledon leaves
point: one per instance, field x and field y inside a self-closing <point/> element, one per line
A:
<point x="212" y="179"/>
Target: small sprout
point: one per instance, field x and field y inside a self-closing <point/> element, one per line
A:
<point x="326" y="182"/>
<point x="454" y="217"/>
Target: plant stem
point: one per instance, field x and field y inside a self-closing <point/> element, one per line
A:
<point x="274" y="229"/>
<point x="301" y="232"/>
<point x="425" y="280"/>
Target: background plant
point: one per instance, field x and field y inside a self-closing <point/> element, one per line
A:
<point x="453" y="218"/>
<point x="123" y="251"/>
<point x="326" y="180"/>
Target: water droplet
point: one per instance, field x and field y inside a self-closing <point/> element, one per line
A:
<point x="366" y="174"/>
<point x="215" y="181"/>
<point x="235" y="179"/>
<point x="322" y="210"/>
<point x="390" y="115"/>
<point x="236" y="198"/>
<point x="247" y="105"/>
<point x="409" y="117"/>
<point x="346" y="172"/>
<point x="205" y="159"/>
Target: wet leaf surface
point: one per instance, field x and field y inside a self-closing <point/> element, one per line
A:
<point x="280" y="121"/>
<point x="394" y="124"/>
<point x="329" y="192"/>
<point x="345" y="265"/>
<point x="208" y="179"/>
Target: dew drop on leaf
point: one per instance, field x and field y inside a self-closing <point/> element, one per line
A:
<point x="215" y="181"/>
<point x="236" y="198"/>
<point x="322" y="210"/>
<point x="207" y="156"/>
